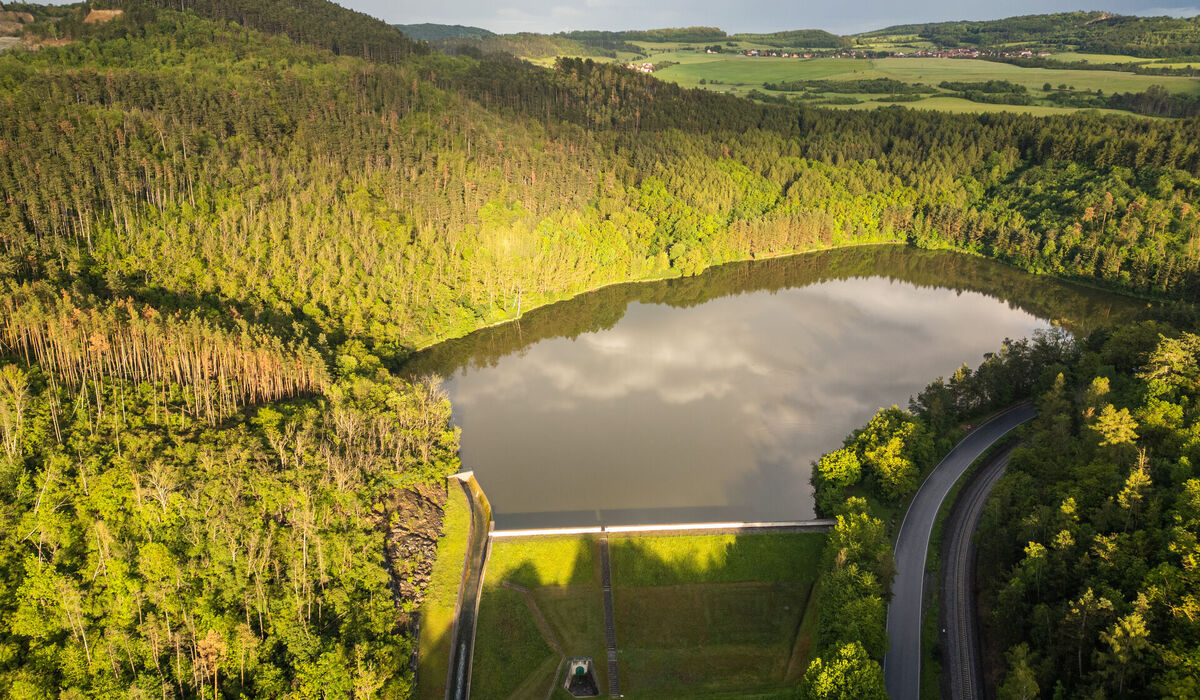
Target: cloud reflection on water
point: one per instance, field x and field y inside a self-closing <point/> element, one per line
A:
<point x="724" y="404"/>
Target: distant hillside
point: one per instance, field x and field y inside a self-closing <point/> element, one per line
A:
<point x="524" y="45"/>
<point x="1023" y="28"/>
<point x="433" y="32"/>
<point x="1091" y="32"/>
<point x="215" y="242"/>
<point x="681" y="34"/>
<point x="607" y="43"/>
<point x="314" y="22"/>
<point x="798" y="39"/>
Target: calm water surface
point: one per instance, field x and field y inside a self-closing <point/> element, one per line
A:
<point x="708" y="399"/>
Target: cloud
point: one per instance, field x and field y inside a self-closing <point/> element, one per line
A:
<point x="565" y="11"/>
<point x="1170" y="11"/>
<point x="715" y="405"/>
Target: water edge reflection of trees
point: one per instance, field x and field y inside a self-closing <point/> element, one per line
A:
<point x="1074" y="307"/>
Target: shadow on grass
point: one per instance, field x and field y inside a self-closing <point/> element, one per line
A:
<point x="656" y="560"/>
<point x="696" y="615"/>
<point x="513" y="657"/>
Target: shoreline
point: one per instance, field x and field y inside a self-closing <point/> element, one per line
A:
<point x="1083" y="283"/>
<point x="657" y="278"/>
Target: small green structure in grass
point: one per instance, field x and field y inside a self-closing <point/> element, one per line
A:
<point x="581" y="678"/>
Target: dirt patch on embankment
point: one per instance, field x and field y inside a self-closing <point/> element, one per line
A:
<point x="12" y="24"/>
<point x="102" y="16"/>
<point x="412" y="520"/>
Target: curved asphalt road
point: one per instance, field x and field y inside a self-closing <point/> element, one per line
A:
<point x="958" y="583"/>
<point x="902" y="665"/>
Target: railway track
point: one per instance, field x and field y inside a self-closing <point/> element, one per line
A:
<point x="902" y="664"/>
<point x="960" y="637"/>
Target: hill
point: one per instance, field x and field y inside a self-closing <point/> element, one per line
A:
<point x="1093" y="32"/>
<point x="680" y="34"/>
<point x="798" y="39"/>
<point x="1095" y="523"/>
<point x="313" y="22"/>
<point x="525" y="45"/>
<point x="435" y="32"/>
<point x="1045" y="75"/>
<point x="226" y="227"/>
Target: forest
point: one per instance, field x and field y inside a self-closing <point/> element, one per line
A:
<point x="1090" y="32"/>
<point x="864" y="486"/>
<point x="433" y="32"/>
<point x="228" y="222"/>
<point x="1154" y="101"/>
<point x="798" y="39"/>
<point x="1088" y="544"/>
<point x="868" y="85"/>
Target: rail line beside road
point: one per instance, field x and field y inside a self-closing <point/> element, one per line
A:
<point x="902" y="664"/>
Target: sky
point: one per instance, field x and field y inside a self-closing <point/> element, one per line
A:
<point x="839" y="16"/>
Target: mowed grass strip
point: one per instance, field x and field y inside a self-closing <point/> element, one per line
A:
<point x="698" y="616"/>
<point x="709" y="616"/>
<point x="509" y="649"/>
<point x="695" y="640"/>
<point x="806" y="639"/>
<point x="541" y="561"/>
<point x="576" y="614"/>
<point x="437" y="610"/>
<point x="658" y="674"/>
<point x="512" y="657"/>
<point x="673" y="559"/>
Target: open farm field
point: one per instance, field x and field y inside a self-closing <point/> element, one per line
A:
<point x="697" y="616"/>
<point x="1190" y="63"/>
<point x="751" y="72"/>
<point x="1073" y="56"/>
<point x="945" y="103"/>
<point x="737" y="70"/>
<point x="736" y="73"/>
<point x="935" y="70"/>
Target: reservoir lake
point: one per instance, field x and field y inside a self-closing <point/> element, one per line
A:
<point x="707" y="399"/>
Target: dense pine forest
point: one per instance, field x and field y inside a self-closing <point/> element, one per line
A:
<point x="226" y="223"/>
<point x="1091" y="32"/>
<point x="1088" y="546"/>
<point x="399" y="204"/>
<point x="864" y="484"/>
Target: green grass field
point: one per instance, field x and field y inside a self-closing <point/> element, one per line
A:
<point x="935" y="70"/>
<point x="1072" y="56"/>
<point x="437" y="610"/>
<point x="1190" y="63"/>
<point x="709" y="615"/>
<point x="648" y="560"/>
<point x="697" y="616"/>
<point x="514" y="655"/>
<point x="957" y="104"/>
<point x="732" y="72"/>
<point x="720" y="70"/>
